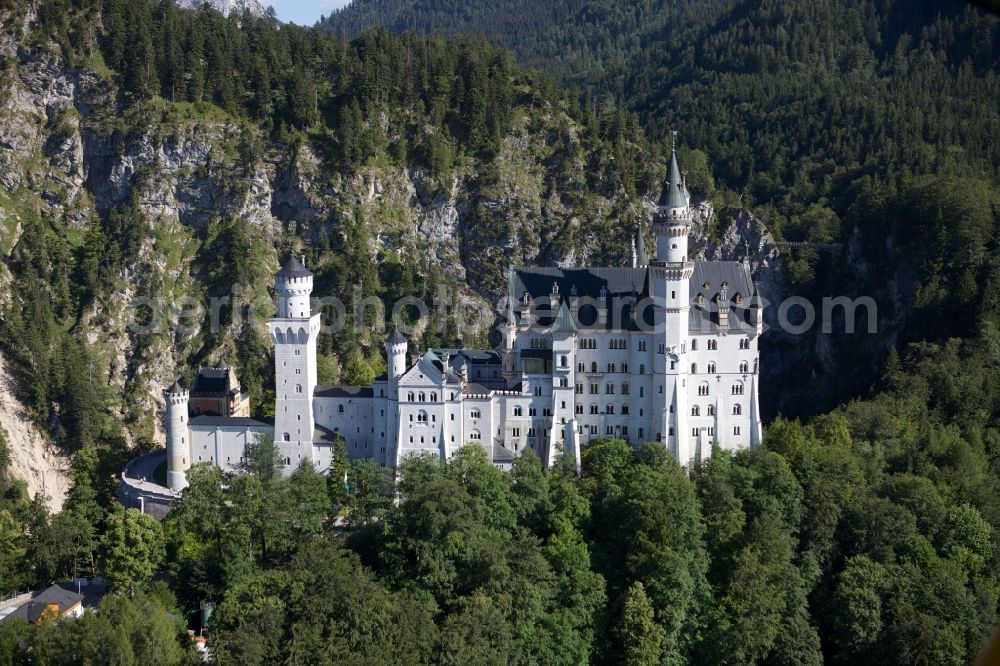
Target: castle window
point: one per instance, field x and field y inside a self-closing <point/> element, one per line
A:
<point x="611" y="367"/>
<point x="624" y="367"/>
<point x="593" y="366"/>
<point x="298" y="388"/>
<point x="744" y="366"/>
<point x="421" y="397"/>
<point x="610" y="409"/>
<point x="340" y="409"/>
<point x="286" y="437"/>
<point x="563" y="382"/>
<point x="711" y="368"/>
<point x="736" y="430"/>
<point x="738" y="388"/>
<point x="703" y="388"/>
<point x="696" y="411"/>
<point x="737" y="410"/>
<point x="711" y="410"/>
<point x="624" y="410"/>
<point x="641" y="433"/>
<point x="531" y="411"/>
<point x="515" y="432"/>
<point x="421" y="416"/>
<point x="744" y="343"/>
<point x="694" y="368"/>
<point x="434" y="397"/>
<point x="564" y="361"/>
<point x="578" y="409"/>
<point x="538" y="390"/>
<point x="694" y="345"/>
<point x="562" y="405"/>
<point x="642" y="345"/>
<point x="580" y="367"/>
<point x="517" y="411"/>
<point x="609" y="388"/>
<point x="624" y="389"/>
<point x="642" y="392"/>
<point x="475" y="414"/>
<point x="409" y="396"/>
<point x="713" y="344"/>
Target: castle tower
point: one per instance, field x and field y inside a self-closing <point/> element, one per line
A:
<point x="178" y="441"/>
<point x="294" y="331"/>
<point x="395" y="353"/>
<point x="671" y="274"/>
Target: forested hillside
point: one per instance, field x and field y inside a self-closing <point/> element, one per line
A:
<point x="825" y="118"/>
<point x="152" y="152"/>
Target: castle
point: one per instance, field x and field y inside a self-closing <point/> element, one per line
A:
<point x="664" y="351"/>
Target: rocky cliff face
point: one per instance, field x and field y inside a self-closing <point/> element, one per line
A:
<point x="225" y="7"/>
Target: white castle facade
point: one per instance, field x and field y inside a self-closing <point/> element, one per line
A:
<point x="662" y="351"/>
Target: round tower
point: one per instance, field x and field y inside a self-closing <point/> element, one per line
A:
<point x="294" y="285"/>
<point x="672" y="223"/>
<point x="178" y="443"/>
<point x="395" y="351"/>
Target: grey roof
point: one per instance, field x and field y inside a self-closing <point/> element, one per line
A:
<point x="176" y="387"/>
<point x="502" y="454"/>
<point x="344" y="392"/>
<point x="564" y="320"/>
<point x="625" y="282"/>
<point x="221" y="421"/>
<point x="324" y="435"/>
<point x="33" y="609"/>
<point x="736" y="275"/>
<point x="397" y="338"/>
<point x="215" y="381"/>
<point x="293" y="268"/>
<point x="673" y="194"/>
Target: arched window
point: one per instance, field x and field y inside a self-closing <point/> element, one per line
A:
<point x="517" y="411"/>
<point x="421" y="416"/>
<point x="563" y="361"/>
<point x="475" y="435"/>
<point x="703" y="388"/>
<point x="593" y="366"/>
<point x="409" y="396"/>
<point x="421" y="397"/>
<point x="711" y="368"/>
<point x="696" y="411"/>
<point x="641" y="433"/>
<point x="475" y="414"/>
<point x="744" y="366"/>
<point x="737" y="410"/>
<point x="711" y="410"/>
<point x="611" y="367"/>
<point x="298" y="388"/>
<point x="694" y="344"/>
<point x="340" y="409"/>
<point x="434" y="397"/>
<point x="694" y="368"/>
<point x="286" y="437"/>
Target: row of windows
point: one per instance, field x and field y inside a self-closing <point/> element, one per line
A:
<point x="696" y="410"/>
<point x="620" y="343"/>
<point x="421" y="397"/>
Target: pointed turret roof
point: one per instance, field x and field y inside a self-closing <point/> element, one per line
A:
<point x="641" y="257"/>
<point x="293" y="268"/>
<point x="397" y="338"/>
<point x="176" y="388"/>
<point x="673" y="194"/>
<point x="563" y="322"/>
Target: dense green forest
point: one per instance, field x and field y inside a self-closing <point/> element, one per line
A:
<point x="869" y="534"/>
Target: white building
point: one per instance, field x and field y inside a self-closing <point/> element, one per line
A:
<point x="662" y="351"/>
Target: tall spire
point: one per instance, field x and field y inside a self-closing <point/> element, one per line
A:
<point x="674" y="194"/>
<point x="641" y="258"/>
